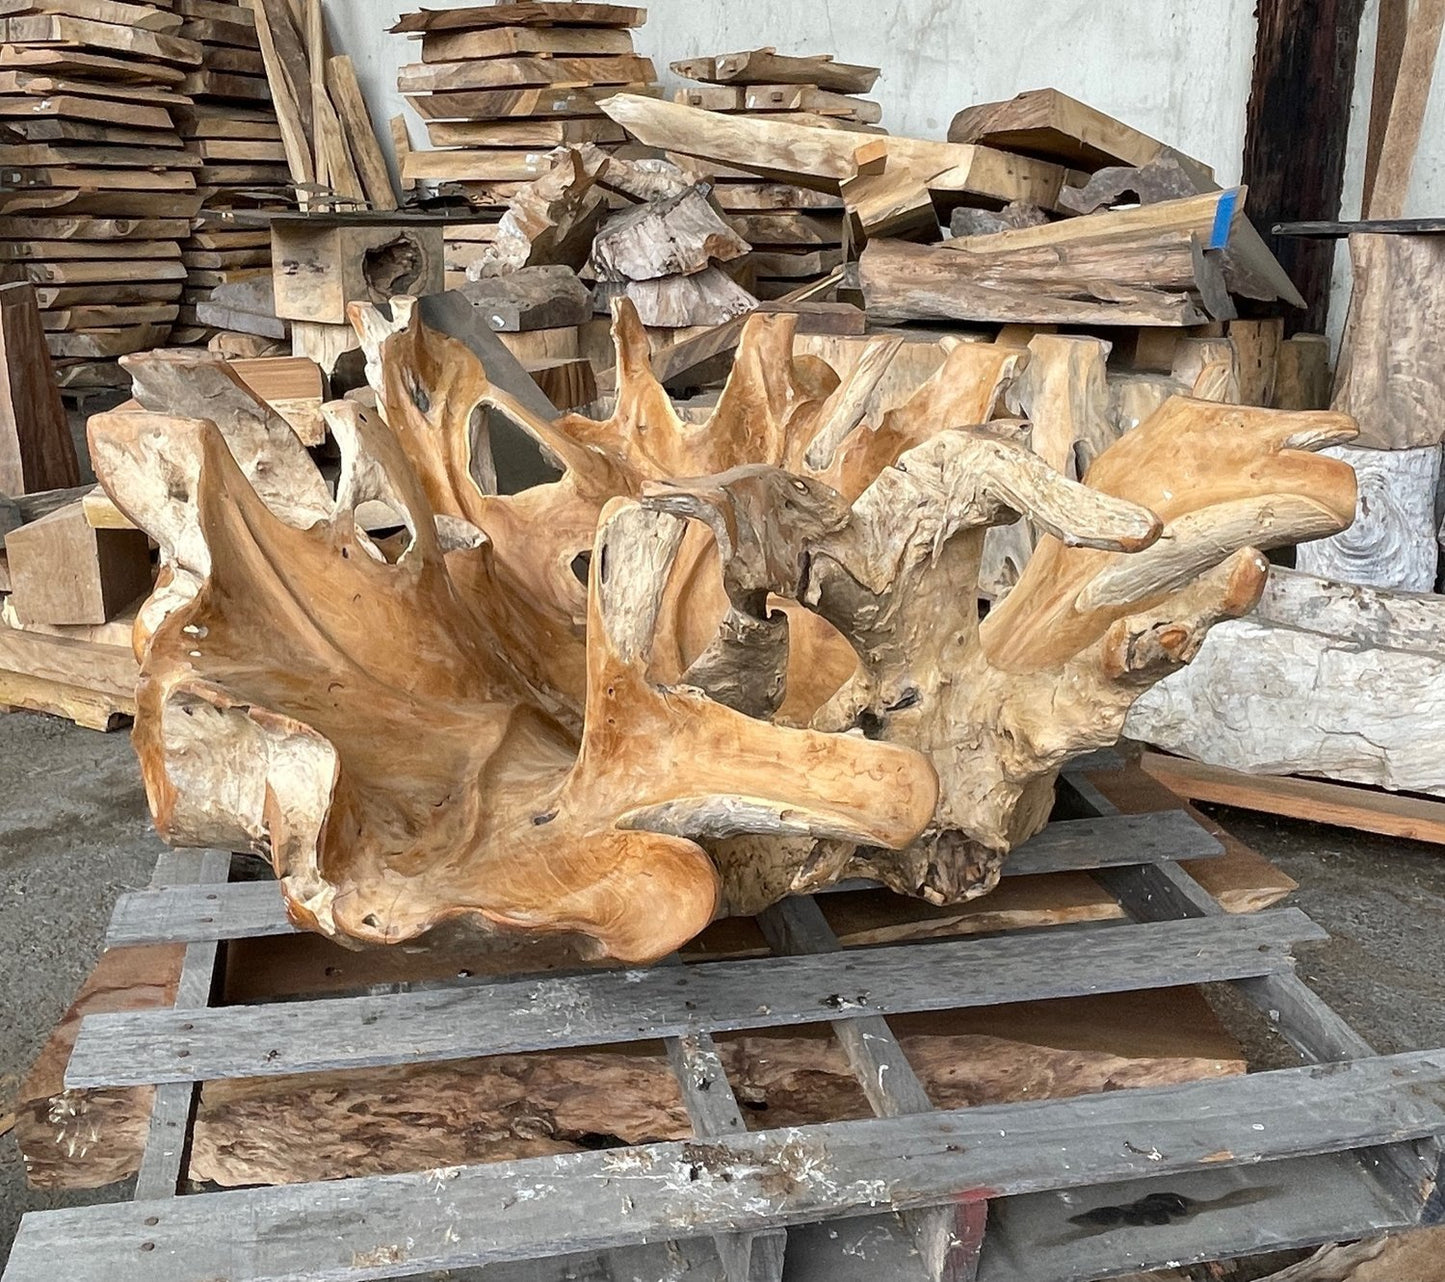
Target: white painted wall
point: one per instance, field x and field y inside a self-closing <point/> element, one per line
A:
<point x="1177" y="71"/>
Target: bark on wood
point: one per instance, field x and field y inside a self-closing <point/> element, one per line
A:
<point x="675" y="734"/>
<point x="1250" y="700"/>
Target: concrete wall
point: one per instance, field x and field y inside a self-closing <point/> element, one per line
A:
<point x="1179" y="72"/>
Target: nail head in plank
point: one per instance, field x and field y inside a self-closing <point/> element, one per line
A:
<point x="406" y="1225"/>
<point x="140" y="1047"/>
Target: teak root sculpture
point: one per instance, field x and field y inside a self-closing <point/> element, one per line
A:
<point x="707" y="666"/>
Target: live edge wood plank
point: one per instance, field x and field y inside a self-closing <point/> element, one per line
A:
<point x="489" y="1019"/>
<point x="425" y="77"/>
<point x="543" y="14"/>
<point x="457" y="1217"/>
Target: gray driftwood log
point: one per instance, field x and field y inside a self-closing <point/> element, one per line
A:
<point x="1324" y="678"/>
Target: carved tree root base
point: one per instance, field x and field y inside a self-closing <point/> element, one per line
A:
<point x="773" y="676"/>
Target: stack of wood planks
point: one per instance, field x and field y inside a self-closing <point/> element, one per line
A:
<point x="499" y="86"/>
<point x="797" y="234"/>
<point x="231" y="126"/>
<point x="65" y="589"/>
<point x="96" y="188"/>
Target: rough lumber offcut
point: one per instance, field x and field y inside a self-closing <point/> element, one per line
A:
<point x="767" y="66"/>
<point x="520" y="14"/>
<point x="36" y="449"/>
<point x="64" y="572"/>
<point x="674" y="236"/>
<point x="1053" y="126"/>
<point x="826" y="158"/>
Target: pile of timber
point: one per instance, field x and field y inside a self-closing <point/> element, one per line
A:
<point x="67" y="591"/>
<point x="797" y="234"/>
<point x="1338" y="674"/>
<point x="231" y="126"/>
<point x="499" y="86"/>
<point x="73" y="570"/>
<point x="96" y="188"/>
<point x="328" y="140"/>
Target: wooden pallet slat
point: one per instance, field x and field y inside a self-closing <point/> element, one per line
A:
<point x="247" y="910"/>
<point x="434" y="1220"/>
<point x="142" y="1047"/>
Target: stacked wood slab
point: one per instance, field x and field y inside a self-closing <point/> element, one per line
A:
<point x="499" y="86"/>
<point x="231" y="127"/>
<point x="797" y="234"/>
<point x="96" y="188"/>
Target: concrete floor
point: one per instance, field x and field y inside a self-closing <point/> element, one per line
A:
<point x="74" y="833"/>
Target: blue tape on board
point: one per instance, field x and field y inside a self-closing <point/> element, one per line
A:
<point x="1224" y="218"/>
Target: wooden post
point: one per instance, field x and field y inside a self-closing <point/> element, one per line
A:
<point x="1296" y="128"/>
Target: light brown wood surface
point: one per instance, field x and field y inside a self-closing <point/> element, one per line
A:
<point x="1318" y="800"/>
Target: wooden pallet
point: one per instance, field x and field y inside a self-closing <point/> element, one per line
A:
<point x="1345" y="805"/>
<point x="1061" y="1189"/>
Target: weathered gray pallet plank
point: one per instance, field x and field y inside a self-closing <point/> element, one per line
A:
<point x="165" y="1147"/>
<point x="1302" y="1202"/>
<point x="1160" y="892"/>
<point x="946" y="1237"/>
<point x="140" y="1047"/>
<point x="185" y="914"/>
<point x="713" y="1110"/>
<point x="405" y="1225"/>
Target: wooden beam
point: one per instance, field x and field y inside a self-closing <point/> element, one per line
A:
<point x="62" y="571"/>
<point x="1400" y="138"/>
<point x="1296" y="130"/>
<point x="360" y="133"/>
